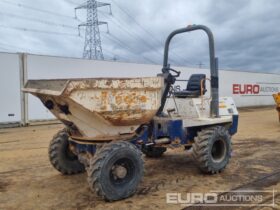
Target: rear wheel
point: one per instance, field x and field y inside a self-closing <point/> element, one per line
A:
<point x="115" y="171"/>
<point x="212" y="149"/>
<point x="61" y="156"/>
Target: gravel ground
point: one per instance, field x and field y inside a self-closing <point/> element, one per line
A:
<point x="28" y="181"/>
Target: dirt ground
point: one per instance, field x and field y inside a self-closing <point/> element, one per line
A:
<point x="28" y="181"/>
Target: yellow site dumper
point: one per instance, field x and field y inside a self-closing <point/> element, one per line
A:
<point x="277" y="101"/>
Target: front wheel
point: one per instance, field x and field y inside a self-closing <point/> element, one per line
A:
<point x="115" y="171"/>
<point x="212" y="149"/>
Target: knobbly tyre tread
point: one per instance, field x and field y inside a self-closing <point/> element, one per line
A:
<point x="96" y="163"/>
<point x="59" y="161"/>
<point x="201" y="147"/>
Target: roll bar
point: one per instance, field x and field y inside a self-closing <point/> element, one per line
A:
<point x="170" y="79"/>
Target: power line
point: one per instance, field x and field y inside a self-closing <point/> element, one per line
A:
<point x="134" y="20"/>
<point x="72" y="2"/>
<point x="35" y="9"/>
<point x="130" y="16"/>
<point x="68" y="26"/>
<point x="117" y="41"/>
<point x="100" y="4"/>
<point x="134" y="37"/>
<point x="143" y="41"/>
<point x="38" y="20"/>
<point x="144" y="29"/>
<point x="131" y="50"/>
<point x="14" y="47"/>
<point x="124" y="45"/>
<point x="38" y="31"/>
<point x="119" y="25"/>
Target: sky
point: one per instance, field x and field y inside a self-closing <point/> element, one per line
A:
<point x="246" y="31"/>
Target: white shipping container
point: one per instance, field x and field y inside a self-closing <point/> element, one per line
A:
<point x="247" y="88"/>
<point x="10" y="110"/>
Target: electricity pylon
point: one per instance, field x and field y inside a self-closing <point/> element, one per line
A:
<point x="93" y="46"/>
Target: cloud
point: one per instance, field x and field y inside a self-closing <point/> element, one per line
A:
<point x="246" y="32"/>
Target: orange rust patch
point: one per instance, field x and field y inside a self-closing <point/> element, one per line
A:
<point x="127" y="118"/>
<point x="129" y="99"/>
<point x="118" y="99"/>
<point x="104" y="95"/>
<point x="143" y="99"/>
<point x="104" y="100"/>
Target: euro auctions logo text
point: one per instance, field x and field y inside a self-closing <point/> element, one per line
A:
<point x="191" y="198"/>
<point x="245" y="198"/>
<point x="255" y="89"/>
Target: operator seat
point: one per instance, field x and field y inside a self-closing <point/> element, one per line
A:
<point x="193" y="87"/>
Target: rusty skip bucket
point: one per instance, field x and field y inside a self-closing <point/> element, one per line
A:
<point x="100" y="109"/>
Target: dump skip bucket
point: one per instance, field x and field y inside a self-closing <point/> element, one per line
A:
<point x="100" y="108"/>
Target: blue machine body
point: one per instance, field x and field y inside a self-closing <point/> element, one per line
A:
<point x="161" y="128"/>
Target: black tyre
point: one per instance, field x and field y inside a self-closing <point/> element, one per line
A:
<point x="153" y="152"/>
<point x="115" y="171"/>
<point x="212" y="149"/>
<point x="61" y="157"/>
